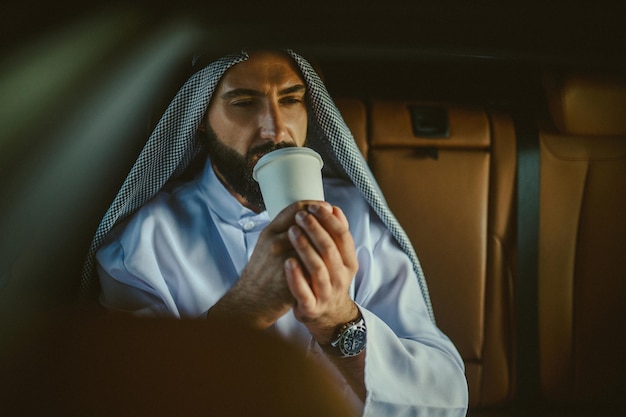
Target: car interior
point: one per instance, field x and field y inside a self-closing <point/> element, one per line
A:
<point x="496" y="131"/>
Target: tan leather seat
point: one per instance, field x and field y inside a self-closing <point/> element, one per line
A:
<point x="454" y="196"/>
<point x="582" y="264"/>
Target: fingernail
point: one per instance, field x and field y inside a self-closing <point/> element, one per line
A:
<point x="315" y="208"/>
<point x="289" y="264"/>
<point x="294" y="232"/>
<point x="301" y="215"/>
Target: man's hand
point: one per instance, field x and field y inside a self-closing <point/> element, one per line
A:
<point x="261" y="295"/>
<point x="319" y="277"/>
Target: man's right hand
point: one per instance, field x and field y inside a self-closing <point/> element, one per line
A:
<point x="261" y="295"/>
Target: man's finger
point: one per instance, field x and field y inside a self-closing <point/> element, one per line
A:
<point x="299" y="286"/>
<point x="286" y="217"/>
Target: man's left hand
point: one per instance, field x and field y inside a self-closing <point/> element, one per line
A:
<point x="320" y="279"/>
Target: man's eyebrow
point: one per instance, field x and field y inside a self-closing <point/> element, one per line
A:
<point x="238" y="92"/>
<point x="298" y="88"/>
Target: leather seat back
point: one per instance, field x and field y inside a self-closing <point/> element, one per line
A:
<point x="454" y="197"/>
<point x="582" y="271"/>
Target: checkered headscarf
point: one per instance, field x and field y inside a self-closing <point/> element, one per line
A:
<point x="172" y="146"/>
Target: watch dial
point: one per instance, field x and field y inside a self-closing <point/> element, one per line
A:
<point x="353" y="341"/>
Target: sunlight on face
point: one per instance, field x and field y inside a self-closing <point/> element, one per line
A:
<point x="258" y="106"/>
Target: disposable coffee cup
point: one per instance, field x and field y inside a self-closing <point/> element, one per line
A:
<point x="288" y="175"/>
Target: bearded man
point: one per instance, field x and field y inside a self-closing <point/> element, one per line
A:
<point x="338" y="276"/>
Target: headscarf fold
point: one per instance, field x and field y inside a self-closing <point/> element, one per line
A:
<point x="172" y="147"/>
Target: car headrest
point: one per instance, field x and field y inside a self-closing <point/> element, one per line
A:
<point x="587" y="104"/>
<point x="422" y="125"/>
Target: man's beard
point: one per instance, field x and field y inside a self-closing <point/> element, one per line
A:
<point x="235" y="170"/>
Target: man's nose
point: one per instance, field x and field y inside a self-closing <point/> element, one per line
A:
<point x="273" y="124"/>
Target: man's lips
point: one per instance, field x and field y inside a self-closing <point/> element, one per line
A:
<point x="257" y="153"/>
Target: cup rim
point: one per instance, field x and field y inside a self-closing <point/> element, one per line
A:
<point x="267" y="158"/>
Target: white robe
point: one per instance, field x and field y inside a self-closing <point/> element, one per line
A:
<point x="182" y="251"/>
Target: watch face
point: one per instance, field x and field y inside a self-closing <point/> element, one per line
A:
<point x="353" y="341"/>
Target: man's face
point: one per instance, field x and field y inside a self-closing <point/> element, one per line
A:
<point x="235" y="170"/>
<point x="258" y="106"/>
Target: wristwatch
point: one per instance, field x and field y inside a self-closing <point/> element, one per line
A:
<point x="351" y="339"/>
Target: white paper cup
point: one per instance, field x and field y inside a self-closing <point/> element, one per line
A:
<point x="288" y="175"/>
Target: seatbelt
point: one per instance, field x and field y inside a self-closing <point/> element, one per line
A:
<point x="526" y="286"/>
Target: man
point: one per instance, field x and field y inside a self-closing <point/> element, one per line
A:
<point x="338" y="276"/>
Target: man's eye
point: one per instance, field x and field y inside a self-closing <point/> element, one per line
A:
<point x="291" y="100"/>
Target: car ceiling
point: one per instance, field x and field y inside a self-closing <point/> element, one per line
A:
<point x="588" y="32"/>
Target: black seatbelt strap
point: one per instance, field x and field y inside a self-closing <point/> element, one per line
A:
<point x="526" y="286"/>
